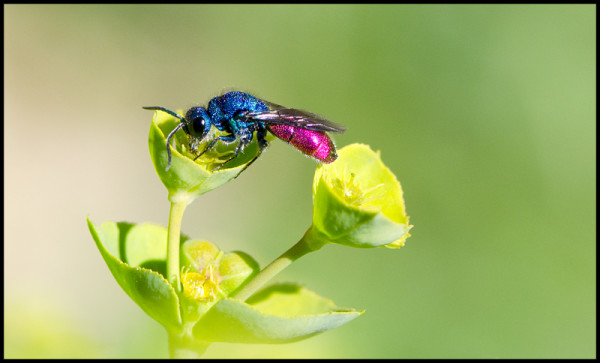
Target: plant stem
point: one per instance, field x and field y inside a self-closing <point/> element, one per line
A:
<point x="173" y="241"/>
<point x="185" y="346"/>
<point x="304" y="246"/>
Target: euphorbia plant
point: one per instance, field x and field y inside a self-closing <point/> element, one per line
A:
<point x="203" y="295"/>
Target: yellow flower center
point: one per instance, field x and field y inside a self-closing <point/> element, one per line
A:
<point x="351" y="191"/>
<point x="202" y="285"/>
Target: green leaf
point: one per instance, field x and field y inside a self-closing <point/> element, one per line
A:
<point x="280" y="313"/>
<point x="186" y="178"/>
<point x="134" y="254"/>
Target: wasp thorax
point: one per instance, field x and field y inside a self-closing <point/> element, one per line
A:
<point x="197" y="122"/>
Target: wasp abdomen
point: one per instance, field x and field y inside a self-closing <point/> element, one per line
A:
<point x="311" y="143"/>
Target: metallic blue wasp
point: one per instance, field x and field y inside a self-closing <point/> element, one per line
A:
<point x="240" y="114"/>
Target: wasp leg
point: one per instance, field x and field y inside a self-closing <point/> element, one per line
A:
<point x="244" y="135"/>
<point x="262" y="146"/>
<point x="237" y="151"/>
<point x="228" y="139"/>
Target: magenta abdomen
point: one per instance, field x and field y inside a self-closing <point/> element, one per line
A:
<point x="311" y="143"/>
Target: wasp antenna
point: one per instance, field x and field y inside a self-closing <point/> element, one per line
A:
<point x="181" y="124"/>
<point x="169" y="143"/>
<point x="158" y="108"/>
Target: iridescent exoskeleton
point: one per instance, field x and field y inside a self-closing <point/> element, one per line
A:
<point x="240" y="115"/>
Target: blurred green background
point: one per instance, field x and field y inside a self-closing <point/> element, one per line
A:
<point x="485" y="113"/>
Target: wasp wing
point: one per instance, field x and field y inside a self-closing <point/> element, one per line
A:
<point x="294" y="117"/>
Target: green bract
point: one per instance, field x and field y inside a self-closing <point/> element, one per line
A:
<point x="357" y="202"/>
<point x="187" y="179"/>
<point x="203" y="312"/>
<point x="280" y="313"/>
<point x="135" y="255"/>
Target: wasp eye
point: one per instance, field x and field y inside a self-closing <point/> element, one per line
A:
<point x="197" y="126"/>
<point x="198" y="121"/>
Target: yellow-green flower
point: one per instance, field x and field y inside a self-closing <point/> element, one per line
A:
<point x="208" y="273"/>
<point x="188" y="177"/>
<point x="357" y="202"/>
<point x="203" y="285"/>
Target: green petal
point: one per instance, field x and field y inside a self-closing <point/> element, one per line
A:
<point x="186" y="178"/>
<point x="235" y="269"/>
<point x="279" y="314"/>
<point x="144" y="247"/>
<point x="198" y="253"/>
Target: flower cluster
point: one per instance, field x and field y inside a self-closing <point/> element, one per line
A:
<point x="202" y="295"/>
